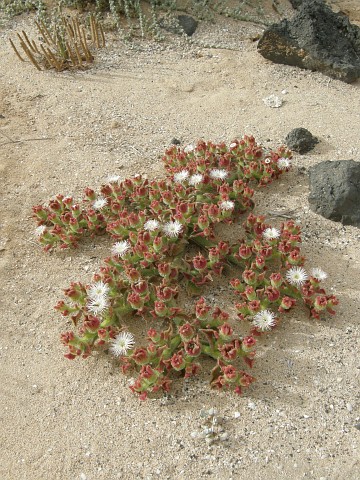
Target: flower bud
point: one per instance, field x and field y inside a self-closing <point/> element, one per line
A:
<point x="193" y="347"/>
<point x="202" y="310"/>
<point x="254" y="306"/>
<point x="141" y="287"/>
<point x="229" y="351"/>
<point x="245" y="251"/>
<point x="272" y="293"/>
<point x="320" y="303"/>
<point x="153" y="335"/>
<point x="276" y="280"/>
<point x="133" y="220"/>
<point x="136" y="302"/>
<point x="186" y="332"/>
<point x="214" y="255"/>
<point x="260" y="262"/>
<point x="237" y="284"/>
<point x="225" y="332"/>
<point x="287" y="303"/>
<point x="158" y="244"/>
<point x="140" y="356"/>
<point x="90" y="194"/>
<point x="245" y="379"/>
<point x="248" y="343"/>
<point x="250" y="293"/>
<point x="249" y="277"/>
<point x="203" y="222"/>
<point x="177" y="361"/>
<point x="161" y="309"/>
<point x="148" y="374"/>
<point x="165" y="293"/>
<point x="164" y="269"/>
<point x="230" y="373"/>
<point x="238" y="186"/>
<point x="40" y="213"/>
<point x="214" y="212"/>
<point x="199" y="262"/>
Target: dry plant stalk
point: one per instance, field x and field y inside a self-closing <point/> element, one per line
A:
<point x="67" y="47"/>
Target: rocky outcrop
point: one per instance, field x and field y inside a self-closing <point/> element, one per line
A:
<point x="335" y="191"/>
<point x="317" y="39"/>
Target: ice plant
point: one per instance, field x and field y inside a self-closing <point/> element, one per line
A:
<point x="219" y="174"/>
<point x="172" y="228"/>
<point x="271" y="233"/>
<point x="121" y="248"/>
<point x="168" y="242"/>
<point x="296" y="276"/>
<point x="99" y="203"/>
<point x="264" y="320"/>
<point x="121" y="344"/>
<point x="181" y="176"/>
<point x="318" y="274"/>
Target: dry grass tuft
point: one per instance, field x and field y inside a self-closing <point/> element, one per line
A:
<point x="67" y="46"/>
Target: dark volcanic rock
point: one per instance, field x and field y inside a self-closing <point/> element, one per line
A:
<point x="300" y="140"/>
<point x="296" y="3"/>
<point x="335" y="191"/>
<point x="316" y="38"/>
<point x="188" y="24"/>
<point x="179" y="24"/>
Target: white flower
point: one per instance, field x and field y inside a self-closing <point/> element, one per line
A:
<point x="267" y="160"/>
<point x="98" y="305"/>
<point x="98" y="289"/>
<point x="172" y="229"/>
<point x="151" y="225"/>
<point x="119" y="249"/>
<point x="113" y="179"/>
<point x="264" y="320"/>
<point x="189" y="148"/>
<point x="99" y="203"/>
<point x="40" y="230"/>
<point x="296" y="276"/>
<point x="181" y="176"/>
<point x="122" y="343"/>
<point x="318" y="274"/>
<point x="218" y="173"/>
<point x="233" y="145"/>
<point x="227" y="205"/>
<point x="283" y="163"/>
<point x="271" y="233"/>
<point x="195" y="179"/>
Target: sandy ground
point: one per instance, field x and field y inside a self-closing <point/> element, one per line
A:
<point x="62" y="132"/>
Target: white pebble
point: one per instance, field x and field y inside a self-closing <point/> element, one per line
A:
<point x="273" y="101"/>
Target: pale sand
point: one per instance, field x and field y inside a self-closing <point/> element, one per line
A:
<point x="78" y="420"/>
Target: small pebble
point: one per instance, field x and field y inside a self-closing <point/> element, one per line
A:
<point x="273" y="101"/>
<point x="237" y="414"/>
